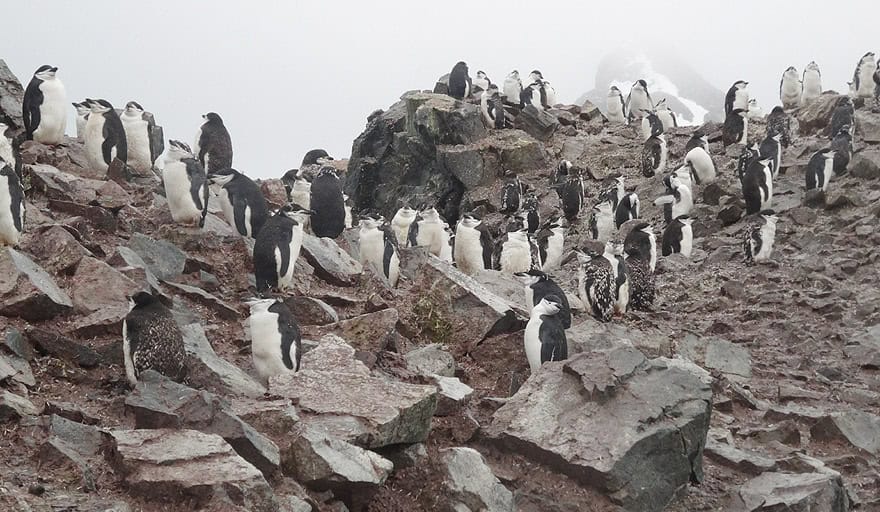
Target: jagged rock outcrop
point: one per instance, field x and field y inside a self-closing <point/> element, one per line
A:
<point x="803" y="492"/>
<point x="27" y="291"/>
<point x="469" y="484"/>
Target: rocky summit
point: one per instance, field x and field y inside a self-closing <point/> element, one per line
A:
<point x="742" y="387"/>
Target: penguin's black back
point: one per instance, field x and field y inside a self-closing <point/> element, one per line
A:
<point x="276" y="232"/>
<point x="458" y="80"/>
<point x="572" y="198"/>
<point x="554" y="346"/>
<point x="290" y="335"/>
<point x="815" y="173"/>
<point x="547" y="287"/>
<point x="672" y="237"/>
<point x="16" y="194"/>
<point x="328" y="205"/>
<point x="732" y="131"/>
<point x="753" y="181"/>
<point x="215" y="142"/>
<point x="242" y="192"/>
<point x="114" y="136"/>
<point x="197" y="178"/>
<point x="30" y="111"/>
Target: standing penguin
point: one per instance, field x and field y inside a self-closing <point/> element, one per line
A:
<point x="685" y="176"/>
<point x="790" y="89"/>
<point x="349" y="219"/>
<point x="843" y="115"/>
<point x="614" y="193"/>
<point x="596" y="285"/>
<point x="615" y="106"/>
<point x="757" y="186"/>
<point x="627" y="209"/>
<point x="559" y="175"/>
<point x="748" y="155"/>
<point x="531" y="95"/>
<point x="82" y="116"/>
<point x="679" y="201"/>
<point x="758" y="238"/>
<point x="44" y="108"/>
<point x="651" y="125"/>
<point x="544" y="337"/>
<point x="378" y="249"/>
<point x="755" y="111"/>
<point x="620" y="290"/>
<point x="843" y="149"/>
<point x="401" y="222"/>
<point x="316" y="157"/>
<point x="530" y="213"/>
<point x="638" y="265"/>
<point x="429" y="230"/>
<point x="638" y="100"/>
<point x="678" y="237"/>
<point x="186" y="185"/>
<point x="473" y="245"/>
<point x="11" y="206"/>
<point x="213" y="145"/>
<point x="277" y="247"/>
<point x="602" y="222"/>
<point x="736" y="128"/>
<point x="545" y="92"/>
<point x="7" y="152"/>
<point x="512" y="88"/>
<point x="654" y="155"/>
<point x="771" y="149"/>
<point x="819" y="171"/>
<point x="459" y="81"/>
<point x="482" y="82"/>
<point x="550" y="240"/>
<point x="665" y="115"/>
<point x="737" y="97"/>
<point x="327" y="204"/>
<point x="105" y="136"/>
<point x="780" y="122"/>
<point x="572" y="197"/>
<point x="137" y="124"/>
<point x="701" y="165"/>
<point x="515" y="254"/>
<point x="863" y="77"/>
<point x="492" y="108"/>
<point x="300" y="192"/>
<point x="537" y="285"/>
<point x="242" y="202"/>
<point x="511" y="193"/>
<point x="276" y="341"/>
<point x="698" y="140"/>
<point x="151" y="340"/>
<point x="812" y="82"/>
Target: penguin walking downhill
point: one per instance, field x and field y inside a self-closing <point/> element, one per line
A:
<point x="778" y="121"/>
<point x="400" y="223"/>
<point x="11" y="206"/>
<point x="819" y="171"/>
<point x="757" y="186"/>
<point x="736" y="128"/>
<point x="678" y="237"/>
<point x="512" y="88"/>
<point x="537" y="285"/>
<point x="544" y="337"/>
<point x="376" y="249"/>
<point x="654" y="156"/>
<point x="242" y="202"/>
<point x="679" y="201"/>
<point x="276" y="341"/>
<point x="811" y="83"/>
<point x="213" y="145"/>
<point x="105" y="136"/>
<point x="151" y="340"/>
<point x="701" y="165"/>
<point x="602" y="221"/>
<point x="790" y="88"/>
<point x="82" y="116"/>
<point x="615" y="106"/>
<point x="771" y="149"/>
<point x="550" y="240"/>
<point x="473" y="245"/>
<point x="137" y="125"/>
<point x="431" y="231"/>
<point x="843" y="149"/>
<point x="641" y="257"/>
<point x="638" y="100"/>
<point x="44" y="108"/>
<point x="758" y="238"/>
<point x="515" y="254"/>
<point x="327" y="204"/>
<point x="186" y="187"/>
<point x="459" y="81"/>
<point x="863" y="77"/>
<point x="572" y="197"/>
<point x="277" y="247"/>
<point x="596" y="285"/>
<point x="737" y="98"/>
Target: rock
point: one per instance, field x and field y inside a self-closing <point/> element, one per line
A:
<point x="14" y="407"/>
<point x="868" y="126"/>
<point x="466" y="162"/>
<point x="11" y="97"/>
<point x="57" y="453"/>
<point x="312" y="311"/>
<point x="72" y="443"/>
<point x="331" y="263"/>
<point x="469" y="482"/>
<point x="740" y="460"/>
<point x="347" y="402"/>
<point x="441" y="119"/>
<point x="16" y="369"/>
<point x="803" y="216"/>
<point x="59" y="251"/>
<point x="864" y="347"/>
<point x="70" y="412"/>
<point x="794" y="412"/>
<point x="62" y="347"/>
<point x="27" y="291"/>
<point x="125" y="257"/>
<point x="590" y="335"/>
<point x="373" y="332"/>
<point x="788" y="392"/>
<point x="859" y="428"/>
<point x="431" y="359"/>
<point x="18" y="344"/>
<point x="100" y="218"/>
<point x="55" y="184"/>
<point x="158" y="402"/>
<point x="728" y="358"/>
<point x="712" y="194"/>
<point x="786" y="432"/>
<point x="405" y="455"/>
<point x="734" y="289"/>
<point x="452" y="395"/>
<point x="163" y="465"/>
<point x="162" y="258"/>
<point x="537" y="123"/>
<point x="814" y="198"/>
<point x="804" y="492"/>
<point x="99" y="287"/>
<point x="815" y="116"/>
<point x="866" y="164"/>
<point x="223" y="309"/>
<point x="639" y="432"/>
<point x="730" y="214"/>
<point x="273" y="418"/>
<point x="204" y="367"/>
<point x="274" y="192"/>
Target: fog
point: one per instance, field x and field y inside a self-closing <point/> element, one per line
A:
<point x="291" y="76"/>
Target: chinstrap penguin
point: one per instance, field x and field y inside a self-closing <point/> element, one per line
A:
<point x="242" y="202"/>
<point x="780" y="122"/>
<point x="654" y="156"/>
<point x="665" y="115"/>
<point x="12" y="214"/>
<point x="596" y="285"/>
<point x="151" y="340"/>
<point x="186" y="187"/>
<point x="401" y="222"/>
<point x="276" y="342"/>
<point x="627" y="209"/>
<point x="811" y="82"/>
<point x="544" y="337"/>
<point x="641" y="250"/>
<point x="459" y="81"/>
<point x="473" y="245"/>
<point x="44" y="108"/>
<point x="701" y="165"/>
<point x="277" y="248"/>
<point x="819" y="170"/>
<point x="602" y="223"/>
<point x="843" y="115"/>
<point x="431" y="231"/>
<point x="737" y="97"/>
<point x="137" y="125"/>
<point x="105" y="136"/>
<point x="843" y="149"/>
<point x="481" y="82"/>
<point x="619" y="273"/>
<point x="571" y="195"/>
<point x="327" y="204"/>
<point x="863" y="77"/>
<point x="615" y="106"/>
<point x="213" y="145"/>
<point x="790" y="88"/>
<point x="638" y="100"/>
<point x="512" y="88"/>
<point x="515" y="254"/>
<point x="678" y="237"/>
<point x="758" y="238"/>
<point x="757" y="186"/>
<point x="537" y="285"/>
<point x="735" y="129"/>
<point x="82" y="116"/>
<point x="679" y="200"/>
<point x="771" y="149"/>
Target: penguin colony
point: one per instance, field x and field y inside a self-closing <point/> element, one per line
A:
<point x="610" y="281"/>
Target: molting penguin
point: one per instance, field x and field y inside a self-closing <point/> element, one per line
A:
<point x="737" y="97"/>
<point x="327" y="204"/>
<point x="735" y="130"/>
<point x="638" y="100"/>
<point x="213" y="145"/>
<point x="151" y="340"/>
<point x="186" y="187"/>
<point x="537" y="285"/>
<point x="666" y="115"/>
<point x="11" y="206"/>
<point x="614" y="192"/>
<point x="755" y="111"/>
<point x="492" y="107"/>
<point x="544" y="337"/>
<point x="459" y="81"/>
<point x="242" y="202"/>
<point x="654" y="155"/>
<point x="82" y="116"/>
<point x="429" y="230"/>
<point x="137" y="124"/>
<point x="473" y="245"/>
<point x="651" y="125"/>
<point x="105" y="136"/>
<point x="748" y="155"/>
<point x="685" y="177"/>
<point x="627" y="209"/>
<point x="701" y="165"/>
<point x="843" y="149"/>
<point x="790" y="88"/>
<point x="771" y="149"/>
<point x="811" y="83"/>
<point x="530" y="213"/>
<point x="550" y="240"/>
<point x="572" y="197"/>
<point x="780" y="122"/>
<point x="641" y="251"/>
<point x="819" y="171"/>
<point x="615" y="106"/>
<point x="620" y="275"/>
<point x="757" y="186"/>
<point x="44" y="108"/>
<point x="596" y="285"/>
<point x="512" y="88"/>
<point x="277" y="247"/>
<point x="482" y="82"/>
<point x="679" y="201"/>
<point x="863" y="78"/>
<point x="276" y="342"/>
<point x="511" y="193"/>
<point x="401" y="222"/>
<point x="300" y="192"/>
<point x="678" y="237"/>
<point x="758" y="238"/>
<point x="602" y="221"/>
<point x="515" y="254"/>
<point x="843" y="115"/>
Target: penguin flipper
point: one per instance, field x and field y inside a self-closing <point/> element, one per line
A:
<point x="239" y="205"/>
<point x="31" y="112"/>
<point x="107" y="145"/>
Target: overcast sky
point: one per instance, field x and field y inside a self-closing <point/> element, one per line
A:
<point x="291" y="76"/>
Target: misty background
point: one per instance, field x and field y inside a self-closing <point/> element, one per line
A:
<point x="289" y="77"/>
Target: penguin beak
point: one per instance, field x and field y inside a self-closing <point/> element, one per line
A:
<point x="53" y="69"/>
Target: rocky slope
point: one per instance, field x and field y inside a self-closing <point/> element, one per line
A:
<point x="747" y="388"/>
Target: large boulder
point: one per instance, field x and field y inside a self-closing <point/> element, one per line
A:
<point x="638" y="434"/>
<point x="481" y="163"/>
<point x="859" y="428"/>
<point x="330" y="262"/>
<point x="866" y="164"/>
<point x="868" y="126"/>
<point x="27" y="291"/>
<point x="164" y="259"/>
<point x="58" y="250"/>
<point x="805" y="492"/>
<point x="11" y="97"/>
<point x="538" y="123"/>
<point x="373" y="332"/>
<point x="815" y="116"/>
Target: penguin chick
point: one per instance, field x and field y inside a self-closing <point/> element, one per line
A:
<point x="758" y="238"/>
<point x="151" y="340"/>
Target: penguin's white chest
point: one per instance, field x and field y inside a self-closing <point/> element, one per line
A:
<point x="6" y="154"/>
<point x="371" y="247"/>
<point x="468" y="250"/>
<point x="266" y="345"/>
<point x="126" y="355"/>
<point x="767" y="199"/>
<point x="687" y="240"/>
<point x="768" y="235"/>
<point x="94" y="139"/>
<point x="532" y="342"/>
<point x="9" y="234"/>
<point x="80" y="126"/>
<point x="138" y="139"/>
<point x="53" y="113"/>
<point x="400" y="225"/>
<point x="554" y="252"/>
<point x="285" y="280"/>
<point x="516" y="256"/>
<point x="431" y="235"/>
<point x="604" y="226"/>
<point x="615" y="109"/>
<point x="226" y="206"/>
<point x="866" y="80"/>
<point x="684" y="204"/>
<point x="177" y="192"/>
<point x="741" y="99"/>
<point x="702" y="164"/>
